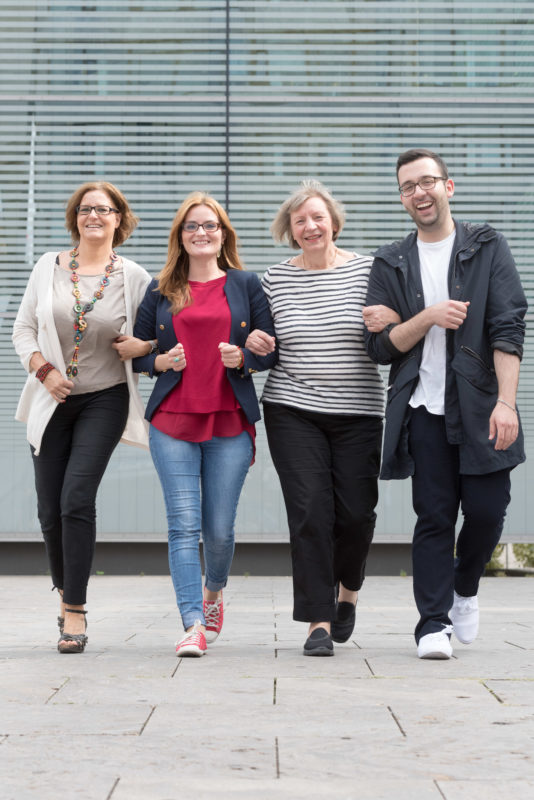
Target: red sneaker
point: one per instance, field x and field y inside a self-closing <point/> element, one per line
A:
<point x="214" y="615"/>
<point x="192" y="643"/>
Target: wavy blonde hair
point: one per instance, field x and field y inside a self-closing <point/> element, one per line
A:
<point x="128" y="221"/>
<point x="281" y="226"/>
<point x="173" y="278"/>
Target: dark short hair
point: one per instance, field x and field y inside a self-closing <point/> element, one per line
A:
<point x="413" y="155"/>
<point x="128" y="219"/>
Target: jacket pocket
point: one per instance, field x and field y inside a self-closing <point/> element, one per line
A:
<point x="471" y="366"/>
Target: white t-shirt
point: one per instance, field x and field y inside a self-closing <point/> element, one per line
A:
<point x="434" y="259"/>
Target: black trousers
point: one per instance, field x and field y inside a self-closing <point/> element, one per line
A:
<point x="75" y="451"/>
<point x="328" y="467"/>
<point x="439" y="491"/>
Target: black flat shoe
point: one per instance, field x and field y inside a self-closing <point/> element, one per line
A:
<point x="79" y="639"/>
<point x="318" y="643"/>
<point x="344" y="623"/>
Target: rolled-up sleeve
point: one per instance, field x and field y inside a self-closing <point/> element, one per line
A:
<point x="507" y="304"/>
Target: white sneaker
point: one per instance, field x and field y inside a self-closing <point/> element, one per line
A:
<point x="464" y="618"/>
<point x="435" y="645"/>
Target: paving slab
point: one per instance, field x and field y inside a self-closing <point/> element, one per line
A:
<point x="254" y="718"/>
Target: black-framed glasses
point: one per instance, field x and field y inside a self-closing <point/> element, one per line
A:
<point x="209" y="227"/>
<point x="102" y="211"/>
<point x="426" y="182"/>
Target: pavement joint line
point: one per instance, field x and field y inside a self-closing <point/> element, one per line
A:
<point x="399" y="726"/>
<point x="513" y="644"/>
<point x="495" y="695"/>
<point x="173" y="673"/>
<point x="56" y="691"/>
<point x="115" y="784"/>
<point x="369" y="667"/>
<point x="436" y="784"/>
<point x="145" y="723"/>
<point x="274" y="692"/>
<point x="277" y="756"/>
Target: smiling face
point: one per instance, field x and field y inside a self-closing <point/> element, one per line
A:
<point x="429" y="208"/>
<point x="201" y="243"/>
<point x="311" y="226"/>
<point x="93" y="228"/>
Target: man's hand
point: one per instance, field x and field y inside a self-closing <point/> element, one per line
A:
<point x="503" y="426"/>
<point x="449" y="314"/>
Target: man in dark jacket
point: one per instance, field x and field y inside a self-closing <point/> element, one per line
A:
<point x="451" y="420"/>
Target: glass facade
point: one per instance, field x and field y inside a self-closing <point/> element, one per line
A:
<point x="245" y="99"/>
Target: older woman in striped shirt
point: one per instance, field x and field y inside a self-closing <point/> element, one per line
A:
<point x="323" y="410"/>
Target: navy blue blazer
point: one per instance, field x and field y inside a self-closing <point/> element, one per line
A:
<point x="249" y="309"/>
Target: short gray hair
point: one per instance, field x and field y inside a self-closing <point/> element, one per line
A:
<point x="281" y="226"/>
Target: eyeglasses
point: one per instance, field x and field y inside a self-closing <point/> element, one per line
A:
<point x="102" y="211"/>
<point x="426" y="182"/>
<point x="209" y="227"/>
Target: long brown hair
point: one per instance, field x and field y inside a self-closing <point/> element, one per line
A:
<point x="173" y="278"/>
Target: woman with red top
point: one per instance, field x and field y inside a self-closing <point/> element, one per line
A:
<point x="203" y="407"/>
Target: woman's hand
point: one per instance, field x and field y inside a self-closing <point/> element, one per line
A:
<point x="260" y="343"/>
<point x="174" y="359"/>
<point x="231" y="355"/>
<point x="58" y="386"/>
<point x="129" y="347"/>
<point x="377" y="317"/>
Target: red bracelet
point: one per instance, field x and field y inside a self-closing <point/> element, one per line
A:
<point x="242" y="359"/>
<point x="43" y="371"/>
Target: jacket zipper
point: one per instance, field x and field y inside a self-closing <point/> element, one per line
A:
<point x="478" y="358"/>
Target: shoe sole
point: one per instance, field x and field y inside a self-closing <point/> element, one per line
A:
<point x="466" y="641"/>
<point x="189" y="652"/>
<point x="318" y="651"/>
<point x="437" y="655"/>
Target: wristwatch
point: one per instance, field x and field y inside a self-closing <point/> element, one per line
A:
<point x="153" y="346"/>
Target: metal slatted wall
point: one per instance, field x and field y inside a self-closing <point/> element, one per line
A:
<point x="245" y="99"/>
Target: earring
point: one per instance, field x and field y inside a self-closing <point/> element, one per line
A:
<point x="219" y="251"/>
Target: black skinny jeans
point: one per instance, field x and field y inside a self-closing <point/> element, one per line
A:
<point x="328" y="468"/>
<point x="439" y="491"/>
<point x="75" y="451"/>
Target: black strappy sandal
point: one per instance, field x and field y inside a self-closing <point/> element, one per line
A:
<point x="80" y="639"/>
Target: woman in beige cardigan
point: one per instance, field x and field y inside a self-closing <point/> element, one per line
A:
<point x="73" y="333"/>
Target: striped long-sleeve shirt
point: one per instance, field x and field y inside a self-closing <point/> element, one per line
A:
<point x="323" y="365"/>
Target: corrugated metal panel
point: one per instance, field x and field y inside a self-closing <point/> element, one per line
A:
<point x="245" y="99"/>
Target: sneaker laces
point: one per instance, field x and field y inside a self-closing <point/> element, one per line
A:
<point x="448" y="629"/>
<point x="465" y="605"/>
<point x="212" y="612"/>
<point x="193" y="636"/>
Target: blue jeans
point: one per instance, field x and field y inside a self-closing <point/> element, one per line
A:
<point x="201" y="484"/>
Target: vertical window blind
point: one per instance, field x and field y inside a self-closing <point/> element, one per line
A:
<point x="245" y="99"/>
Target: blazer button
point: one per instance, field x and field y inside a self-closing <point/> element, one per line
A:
<point x="243" y="324"/>
<point x="251" y="371"/>
<point x="162" y="327"/>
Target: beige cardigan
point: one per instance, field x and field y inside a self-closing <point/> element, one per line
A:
<point x="34" y="331"/>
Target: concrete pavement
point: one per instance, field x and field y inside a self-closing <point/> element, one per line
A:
<point x="253" y="718"/>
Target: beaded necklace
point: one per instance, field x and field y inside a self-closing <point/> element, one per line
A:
<point x="81" y="309"/>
